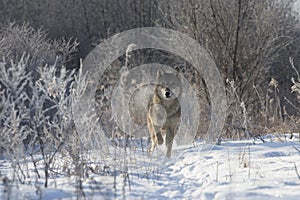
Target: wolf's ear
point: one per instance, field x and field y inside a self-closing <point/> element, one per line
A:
<point x="159" y="73"/>
<point x="177" y="69"/>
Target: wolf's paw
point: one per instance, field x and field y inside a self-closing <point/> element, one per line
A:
<point x="151" y="149"/>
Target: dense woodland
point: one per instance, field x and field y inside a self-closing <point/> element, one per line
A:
<point x="254" y="43"/>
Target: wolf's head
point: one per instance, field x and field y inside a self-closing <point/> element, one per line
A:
<point x="168" y="86"/>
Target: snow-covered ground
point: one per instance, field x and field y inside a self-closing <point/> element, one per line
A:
<point x="233" y="170"/>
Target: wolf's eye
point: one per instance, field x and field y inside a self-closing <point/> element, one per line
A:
<point x="168" y="93"/>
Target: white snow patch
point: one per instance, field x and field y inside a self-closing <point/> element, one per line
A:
<point x="233" y="170"/>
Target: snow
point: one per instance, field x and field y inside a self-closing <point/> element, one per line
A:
<point x="244" y="169"/>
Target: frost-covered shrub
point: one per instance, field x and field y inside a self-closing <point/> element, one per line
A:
<point x="33" y="50"/>
<point x="19" y="41"/>
<point x="26" y="127"/>
<point x="37" y="93"/>
<point x="16" y="40"/>
<point x="295" y="88"/>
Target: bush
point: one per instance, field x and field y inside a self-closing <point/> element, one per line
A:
<point x="17" y="40"/>
<point x="35" y="105"/>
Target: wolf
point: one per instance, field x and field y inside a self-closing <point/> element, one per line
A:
<point x="164" y="110"/>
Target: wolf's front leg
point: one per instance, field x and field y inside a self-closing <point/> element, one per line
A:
<point x="152" y="133"/>
<point x="169" y="141"/>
